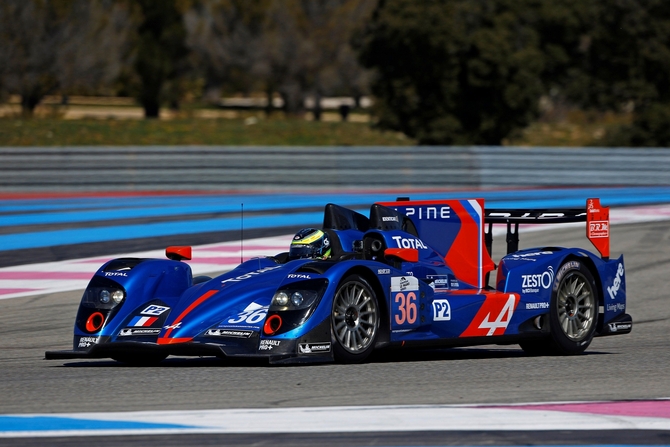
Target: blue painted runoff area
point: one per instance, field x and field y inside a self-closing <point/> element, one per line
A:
<point x="12" y="425"/>
<point x="114" y="233"/>
<point x="51" y="423"/>
<point x="84" y="218"/>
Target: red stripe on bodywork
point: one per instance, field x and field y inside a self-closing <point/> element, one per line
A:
<point x="463" y="256"/>
<point x="171" y="341"/>
<point x="193" y="305"/>
<point x="150" y="321"/>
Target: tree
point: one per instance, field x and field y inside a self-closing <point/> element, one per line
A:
<point x="291" y="47"/>
<point x="48" y="46"/>
<point x="160" y="51"/>
<point x="624" y="54"/>
<point x="334" y="25"/>
<point x="90" y="59"/>
<point x="455" y="71"/>
<point x="224" y="37"/>
<point x="622" y="62"/>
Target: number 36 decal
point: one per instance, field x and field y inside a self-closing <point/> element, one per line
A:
<point x="405" y="302"/>
<point x="405" y="309"/>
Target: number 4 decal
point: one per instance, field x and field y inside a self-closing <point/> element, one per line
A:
<point x="494" y="316"/>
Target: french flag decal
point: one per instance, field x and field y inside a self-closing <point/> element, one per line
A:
<point x="141" y="321"/>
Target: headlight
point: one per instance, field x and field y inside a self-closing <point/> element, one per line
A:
<point x="294" y="299"/>
<point x="293" y="304"/>
<point x="280" y="299"/>
<point x="118" y="296"/>
<point x="104" y="296"/>
<point x="297" y="299"/>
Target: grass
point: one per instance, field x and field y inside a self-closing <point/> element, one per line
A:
<point x="576" y="128"/>
<point x="193" y="131"/>
<point x="52" y="127"/>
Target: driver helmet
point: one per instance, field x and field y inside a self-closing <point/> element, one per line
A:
<point x="310" y="243"/>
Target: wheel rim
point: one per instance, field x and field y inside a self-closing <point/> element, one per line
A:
<point x="355" y="317"/>
<point x="576" y="306"/>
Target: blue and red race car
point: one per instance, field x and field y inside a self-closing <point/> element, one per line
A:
<point x="412" y="274"/>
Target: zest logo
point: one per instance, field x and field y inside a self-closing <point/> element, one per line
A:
<point x="494" y="316"/>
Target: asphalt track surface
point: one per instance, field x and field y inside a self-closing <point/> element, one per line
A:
<point x="630" y="367"/>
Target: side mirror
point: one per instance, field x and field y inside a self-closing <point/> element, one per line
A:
<point x="178" y="253"/>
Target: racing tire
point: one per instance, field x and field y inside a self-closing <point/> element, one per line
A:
<point x="354" y="321"/>
<point x="573" y="314"/>
<point x="140" y="359"/>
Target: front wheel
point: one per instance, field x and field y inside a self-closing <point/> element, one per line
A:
<point x="354" y="320"/>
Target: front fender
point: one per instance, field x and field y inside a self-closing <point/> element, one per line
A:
<point x="141" y="280"/>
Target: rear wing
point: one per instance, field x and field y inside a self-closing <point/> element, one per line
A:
<point x="595" y="216"/>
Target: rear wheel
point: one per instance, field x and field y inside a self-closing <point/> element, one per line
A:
<point x="354" y="320"/>
<point x="573" y="313"/>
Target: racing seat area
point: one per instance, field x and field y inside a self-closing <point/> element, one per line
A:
<point x="337" y="252"/>
<point x="384" y="219"/>
<point x="343" y="227"/>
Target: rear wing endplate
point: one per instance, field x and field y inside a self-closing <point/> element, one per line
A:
<point x="595" y="216"/>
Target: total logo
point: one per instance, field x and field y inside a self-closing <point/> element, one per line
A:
<point x="533" y="283"/>
<point x="298" y="276"/>
<point x="404" y="242"/>
<point x="614" y="288"/>
<point x="249" y="275"/>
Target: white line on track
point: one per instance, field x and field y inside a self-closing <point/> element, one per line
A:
<point x="530" y="417"/>
<point x="74" y="274"/>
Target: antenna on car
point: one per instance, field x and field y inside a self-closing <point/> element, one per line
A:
<point x="242" y="233"/>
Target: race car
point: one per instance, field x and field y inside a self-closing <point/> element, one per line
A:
<point x="412" y="274"/>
